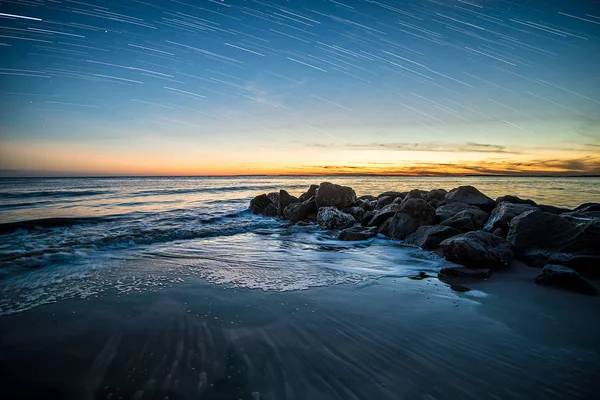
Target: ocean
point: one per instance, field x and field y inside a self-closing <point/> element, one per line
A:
<point x="169" y="288"/>
<point x="75" y="237"/>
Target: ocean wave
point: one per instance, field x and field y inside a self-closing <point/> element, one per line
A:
<point x="256" y="188"/>
<point x="53" y="193"/>
<point x="48" y="223"/>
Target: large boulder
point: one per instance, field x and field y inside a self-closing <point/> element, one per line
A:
<point x="435" y="194"/>
<point x="472" y="196"/>
<point x="312" y="190"/>
<point x="356" y="212"/>
<point x="260" y="203"/>
<point x="429" y="237"/>
<point x="383" y="201"/>
<point x="465" y="221"/>
<point x="419" y="209"/>
<point x="392" y="194"/>
<point x="567" y="278"/>
<point x="399" y="226"/>
<point x="331" y="195"/>
<point x="449" y="210"/>
<point x="478" y="249"/>
<point x="585" y="211"/>
<point x="357" y="233"/>
<point x="515" y="200"/>
<point x="296" y="212"/>
<point x="285" y="199"/>
<point x="382" y="215"/>
<point x="332" y="218"/>
<point x="274" y="197"/>
<point x="270" y="211"/>
<point x="503" y="214"/>
<point x="413" y="194"/>
<point x="540" y="238"/>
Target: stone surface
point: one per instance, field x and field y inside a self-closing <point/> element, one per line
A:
<point x="296" y="212"/>
<point x="382" y="215"/>
<point x="540" y="238"/>
<point x="464" y="221"/>
<point x="392" y="194"/>
<point x="478" y="249"/>
<point x="472" y="196"/>
<point x="259" y="203"/>
<point x="449" y="210"/>
<point x="429" y="237"/>
<point x="312" y="190"/>
<point x="399" y="226"/>
<point x="356" y="212"/>
<point x="515" y="200"/>
<point x="270" y="211"/>
<point x="419" y="209"/>
<point x="383" y="201"/>
<point x="285" y="199"/>
<point x="503" y="214"/>
<point x="331" y="195"/>
<point x="435" y="194"/>
<point x="567" y="278"/>
<point x="357" y="233"/>
<point x="332" y="218"/>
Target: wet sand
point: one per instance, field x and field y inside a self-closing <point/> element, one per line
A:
<point x="390" y="338"/>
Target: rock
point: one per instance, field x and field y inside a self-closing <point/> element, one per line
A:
<point x="436" y="195"/>
<point x="464" y="221"/>
<point x="503" y="214"/>
<point x="270" y="211"/>
<point x="397" y="200"/>
<point x="274" y="197"/>
<point x="382" y="215"/>
<point x="383" y="201"/>
<point x="567" y="278"/>
<point x="514" y="200"/>
<point x="588" y="207"/>
<point x="296" y="212"/>
<point x="478" y="249"/>
<point x="367" y="197"/>
<point x="419" y="209"/>
<point x="331" y="195"/>
<point x="332" y="218"/>
<point x="470" y="195"/>
<point x="399" y="226"/>
<point x="429" y="237"/>
<point x="540" y="238"/>
<point x="463" y="272"/>
<point x="449" y="210"/>
<point x="357" y="233"/>
<point x="356" y="212"/>
<point x="312" y="190"/>
<point x="585" y="211"/>
<point x="392" y="194"/>
<point x="413" y="194"/>
<point x="367" y="218"/>
<point x="259" y="203"/>
<point x="285" y="199"/>
<point x="552" y="209"/>
<point x="500" y="232"/>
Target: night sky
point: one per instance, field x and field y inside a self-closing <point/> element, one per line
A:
<point x="251" y="87"/>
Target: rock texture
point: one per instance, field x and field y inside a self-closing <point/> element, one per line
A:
<point x="332" y="195"/>
<point x="357" y="233"/>
<point x="429" y="237"/>
<point x="332" y="218"/>
<point x="478" y="250"/>
<point x="472" y="196"/>
<point x="503" y="214"/>
<point x="567" y="278"/>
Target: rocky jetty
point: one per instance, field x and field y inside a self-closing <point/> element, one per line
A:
<point x="466" y="226"/>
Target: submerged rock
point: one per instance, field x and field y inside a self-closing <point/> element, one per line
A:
<point x="429" y="237"/>
<point x="472" y="196"/>
<point x="567" y="278"/>
<point x="260" y="203"/>
<point x="503" y="214"/>
<point x="464" y="272"/>
<point x="331" y="195"/>
<point x="540" y="238"/>
<point x="270" y="211"/>
<point x="357" y="233"/>
<point x="332" y="218"/>
<point x="478" y="249"/>
<point x="274" y="197"/>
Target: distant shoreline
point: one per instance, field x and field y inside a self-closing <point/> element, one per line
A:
<point x="292" y="176"/>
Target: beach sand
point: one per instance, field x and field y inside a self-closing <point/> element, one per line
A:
<point x="390" y="338"/>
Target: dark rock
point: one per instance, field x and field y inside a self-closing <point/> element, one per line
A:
<point x="540" y="238"/>
<point x="470" y="195"/>
<point x="429" y="237"/>
<point x="500" y="232"/>
<point x="503" y="214"/>
<point x="552" y="209"/>
<point x="397" y="200"/>
<point x="514" y="200"/>
<point x="364" y="204"/>
<point x="392" y="194"/>
<point x="567" y="278"/>
<point x="285" y="199"/>
<point x="382" y="215"/>
<point x="400" y="226"/>
<point x="422" y="275"/>
<point x="367" y="197"/>
<point x="357" y="233"/>
<point x="259" y="203"/>
<point x="419" y="209"/>
<point x="332" y="218"/>
<point x="331" y="195"/>
<point x="413" y="194"/>
<point x="367" y="218"/>
<point x="383" y="201"/>
<point x="588" y="207"/>
<point x="435" y="194"/>
<point x="478" y="249"/>
<point x="464" y="221"/>
<point x="296" y="212"/>
<point x="356" y="212"/>
<point x="463" y="272"/>
<point x="449" y="210"/>
<point x="312" y="190"/>
<point x="270" y="211"/>
<point x="274" y="197"/>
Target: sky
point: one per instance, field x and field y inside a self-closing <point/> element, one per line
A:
<point x="224" y="87"/>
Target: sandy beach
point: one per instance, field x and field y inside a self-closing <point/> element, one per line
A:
<point x="389" y="338"/>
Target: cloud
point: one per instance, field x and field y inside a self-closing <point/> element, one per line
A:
<point x="468" y="147"/>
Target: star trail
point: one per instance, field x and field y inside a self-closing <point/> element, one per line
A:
<point x="252" y="87"/>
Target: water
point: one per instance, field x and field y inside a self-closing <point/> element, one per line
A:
<point x="64" y="238"/>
